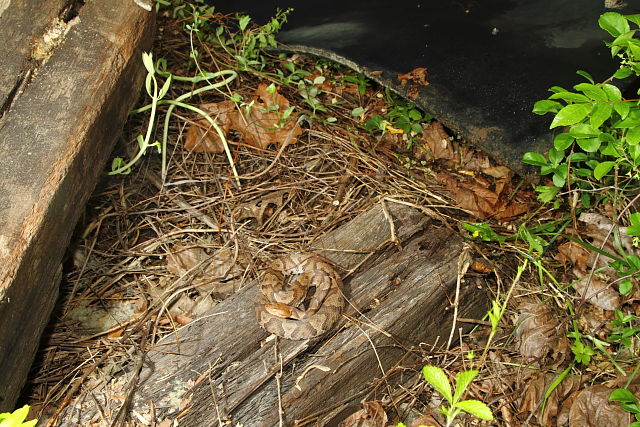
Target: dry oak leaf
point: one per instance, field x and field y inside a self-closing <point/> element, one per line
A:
<point x="260" y="126"/>
<point x="538" y="336"/>
<point x="438" y="141"/>
<point x="372" y="414"/>
<point x="418" y="75"/>
<point x="591" y="407"/>
<point x="535" y="389"/>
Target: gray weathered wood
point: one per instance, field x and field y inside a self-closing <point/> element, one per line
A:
<point x="217" y="367"/>
<point x="23" y="22"/>
<point x="54" y="143"/>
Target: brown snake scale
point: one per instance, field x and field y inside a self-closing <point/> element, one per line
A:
<point x="284" y="306"/>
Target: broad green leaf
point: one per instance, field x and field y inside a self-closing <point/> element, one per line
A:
<point x="622" y="73"/>
<point x="438" y="380"/>
<point x="633" y="135"/>
<point x="625" y="287"/>
<point x="562" y="141"/>
<point x="622" y="108"/>
<point x="622" y="395"/>
<point x="590" y="145"/>
<point x="600" y="114"/>
<point x="546" y="106"/>
<point x="578" y="157"/>
<point x="585" y="75"/>
<point x="602" y="169"/>
<point x="633" y="18"/>
<point x="632" y="120"/>
<point x="634" y="152"/>
<point x="476" y="408"/>
<point x="555" y="156"/>
<point x="463" y="379"/>
<point x="558" y="181"/>
<point x="607" y="137"/>
<point x="583" y="130"/>
<point x="634" y="47"/>
<point x="569" y="96"/>
<point x="583" y="172"/>
<point x="570" y="115"/>
<point x="556" y="89"/>
<point x="634" y="219"/>
<point x="243" y="22"/>
<point x="533" y="158"/>
<point x="613" y="23"/>
<point x="592" y="91"/>
<point x="546" y="193"/>
<point x="613" y="93"/>
<point x="610" y="150"/>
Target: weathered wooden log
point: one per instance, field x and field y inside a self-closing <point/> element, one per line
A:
<point x="55" y="138"/>
<point x="218" y="367"/>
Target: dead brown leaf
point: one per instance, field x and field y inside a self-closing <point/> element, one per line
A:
<point x="431" y="418"/>
<point x="438" y="141"/>
<point x="418" y="75"/>
<point x="260" y="126"/>
<point x="413" y="92"/>
<point x="590" y="407"/>
<point x="538" y="335"/>
<point x="534" y="391"/>
<point x="372" y="414"/>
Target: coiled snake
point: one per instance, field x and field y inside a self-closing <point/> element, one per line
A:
<point x="286" y="307"/>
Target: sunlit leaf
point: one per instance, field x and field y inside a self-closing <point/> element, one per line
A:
<point x="570" y="115"/>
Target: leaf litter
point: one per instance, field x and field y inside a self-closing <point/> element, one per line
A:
<point x="175" y="250"/>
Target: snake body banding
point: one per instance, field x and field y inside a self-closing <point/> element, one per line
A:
<point x="287" y="304"/>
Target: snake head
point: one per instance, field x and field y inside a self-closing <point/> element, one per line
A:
<point x="279" y="309"/>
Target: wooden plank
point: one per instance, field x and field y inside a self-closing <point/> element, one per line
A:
<point x="23" y="22"/>
<point x="54" y="143"/>
<point x="219" y="368"/>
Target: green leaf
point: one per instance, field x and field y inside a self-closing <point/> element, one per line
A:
<point x="622" y="395"/>
<point x="533" y="158"/>
<point x="438" y="380"/>
<point x="463" y="379"/>
<point x="556" y="89"/>
<point x="569" y="97"/>
<point x="243" y="22"/>
<point x="613" y="23"/>
<point x="545" y="106"/>
<point x="578" y="157"/>
<point x="610" y="150"/>
<point x="476" y="408"/>
<point x="547" y="193"/>
<point x="585" y="75"/>
<point x="633" y="135"/>
<point x="147" y="60"/>
<point x="600" y="114"/>
<point x="583" y="130"/>
<point x="613" y="93"/>
<point x="556" y="156"/>
<point x="622" y="108"/>
<point x="570" y="115"/>
<point x="625" y="287"/>
<point x="562" y="141"/>
<point x="592" y="91"/>
<point x="622" y="73"/>
<point x="590" y="145"/>
<point x="602" y="169"/>
<point x="632" y="120"/>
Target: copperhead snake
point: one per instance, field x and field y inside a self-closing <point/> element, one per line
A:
<point x="285" y="305"/>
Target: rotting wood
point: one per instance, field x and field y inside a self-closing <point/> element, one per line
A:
<point x="54" y="143"/>
<point x="215" y="368"/>
<point x="23" y="22"/>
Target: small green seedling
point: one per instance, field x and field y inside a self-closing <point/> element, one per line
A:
<point x="17" y="418"/>
<point x="439" y="381"/>
<point x="628" y="402"/>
